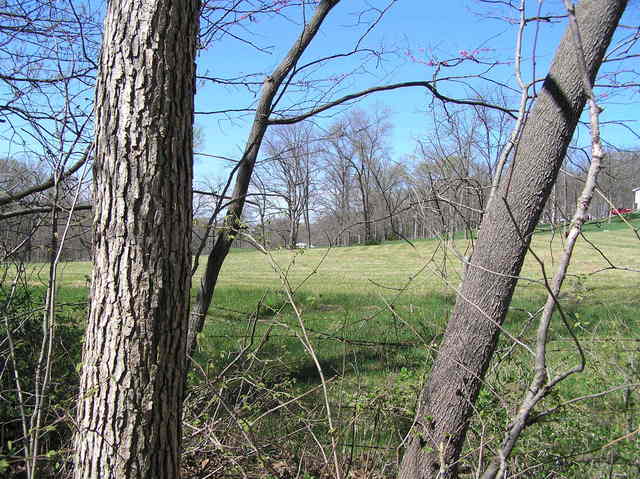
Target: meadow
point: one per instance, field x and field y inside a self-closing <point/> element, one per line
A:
<point x="373" y="317"/>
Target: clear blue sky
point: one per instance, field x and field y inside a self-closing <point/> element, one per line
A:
<point x="429" y="30"/>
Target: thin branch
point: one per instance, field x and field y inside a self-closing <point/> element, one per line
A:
<point x="354" y="96"/>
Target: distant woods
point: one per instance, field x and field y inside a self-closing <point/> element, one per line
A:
<point x="340" y="185"/>
<point x="343" y="184"/>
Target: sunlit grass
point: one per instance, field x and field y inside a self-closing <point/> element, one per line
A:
<point x="426" y="266"/>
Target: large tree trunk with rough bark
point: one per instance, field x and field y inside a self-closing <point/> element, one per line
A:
<point x="134" y="358"/>
<point x="447" y="401"/>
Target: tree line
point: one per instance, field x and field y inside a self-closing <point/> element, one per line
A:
<point x="343" y="186"/>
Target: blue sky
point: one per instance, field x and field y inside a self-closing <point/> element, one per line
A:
<point x="413" y="32"/>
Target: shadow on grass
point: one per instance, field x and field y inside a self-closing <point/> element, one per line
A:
<point x="358" y="360"/>
<point x="351" y="334"/>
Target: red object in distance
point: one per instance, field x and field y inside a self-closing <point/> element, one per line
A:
<point x="620" y="211"/>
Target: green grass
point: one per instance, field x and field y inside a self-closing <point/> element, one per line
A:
<point x="375" y="314"/>
<point x="365" y="297"/>
<point x="382" y="356"/>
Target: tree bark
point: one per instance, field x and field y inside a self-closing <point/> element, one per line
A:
<point x="447" y="401"/>
<point x="134" y="358"/>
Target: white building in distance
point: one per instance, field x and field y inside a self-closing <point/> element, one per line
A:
<point x="636" y="192"/>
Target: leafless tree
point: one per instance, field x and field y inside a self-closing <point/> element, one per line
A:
<point x="271" y="89"/>
<point x="392" y="194"/>
<point x="48" y="52"/>
<point x="287" y="175"/>
<point x="447" y="401"/>
<point x="358" y="141"/>
<point x="338" y="185"/>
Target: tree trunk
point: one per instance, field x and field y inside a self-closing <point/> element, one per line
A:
<point x="368" y="231"/>
<point x="131" y="391"/>
<point x="294" y="226"/>
<point x="447" y="400"/>
<point x="232" y="223"/>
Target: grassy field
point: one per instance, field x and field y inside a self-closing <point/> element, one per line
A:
<point x="374" y="316"/>
<point x="370" y="270"/>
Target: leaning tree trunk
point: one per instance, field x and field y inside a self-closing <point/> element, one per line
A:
<point x="448" y="398"/>
<point x="232" y="221"/>
<point x="131" y="390"/>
